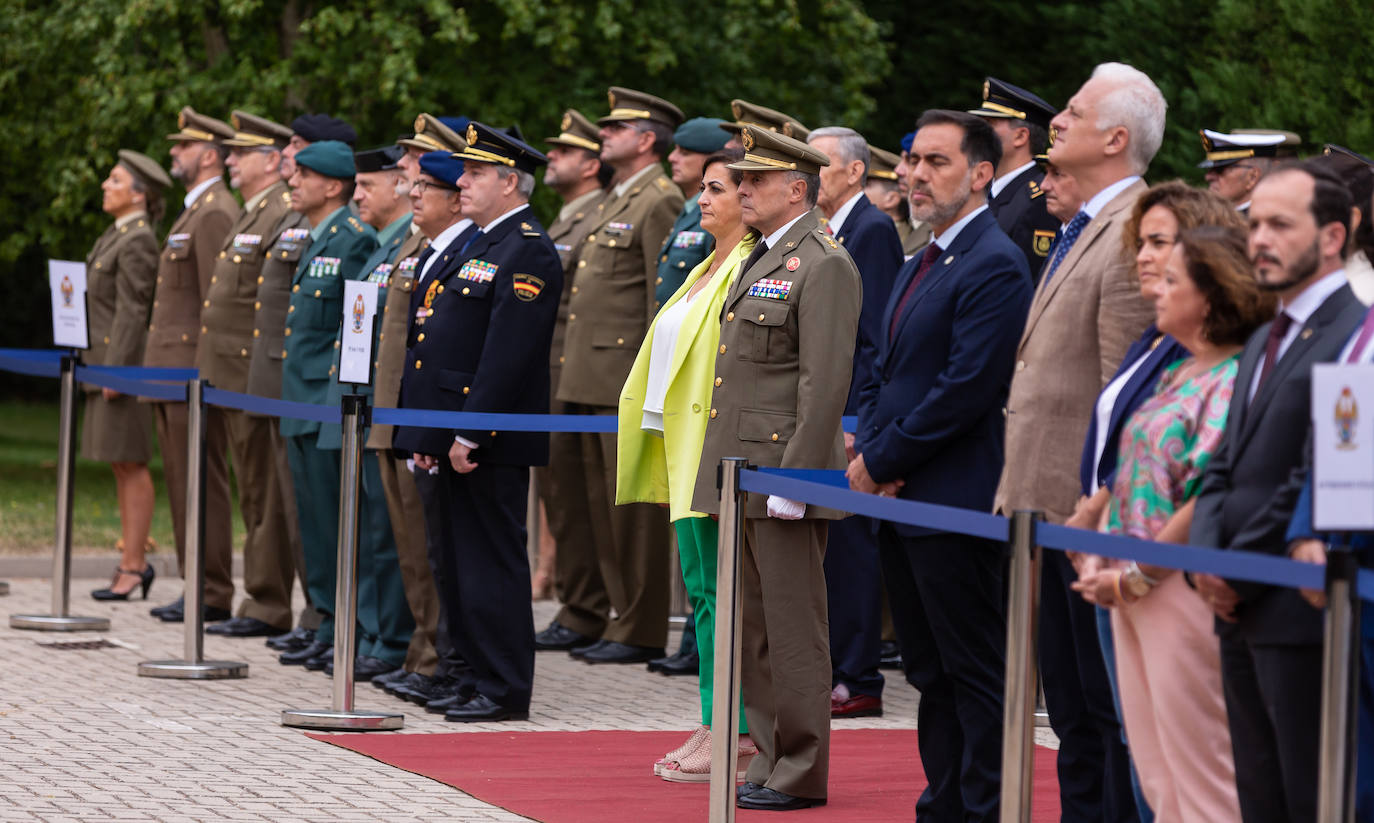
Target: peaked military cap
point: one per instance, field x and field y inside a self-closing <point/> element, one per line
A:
<point x="577" y="131"/>
<point x="882" y="164"/>
<point x="1228" y="149"/>
<point x="380" y="159"/>
<point x="313" y="128"/>
<point x="766" y="150"/>
<point x="443" y="166"/>
<point x="748" y="114"/>
<point x="1002" y="99"/>
<point x="198" y="128"/>
<point x="251" y="131"/>
<point x="490" y="145"/>
<point x="332" y="158"/>
<point x="434" y="133"/>
<point x="145" y="168"/>
<point x="1333" y="149"/>
<point x="628" y="104"/>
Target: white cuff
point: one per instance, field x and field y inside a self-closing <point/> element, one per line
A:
<point x="784" y="509"/>
<point x="465" y="441"/>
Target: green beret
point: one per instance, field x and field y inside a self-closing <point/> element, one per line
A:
<point x="701" y="134"/>
<point x="332" y="158"/>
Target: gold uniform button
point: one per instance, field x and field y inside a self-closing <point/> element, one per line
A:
<point x="761" y="316"/>
<point x="295" y="288"/>
<point x="223" y="255"/>
<point x="283" y="354"/>
<point x="466" y="290"/>
<point x="331" y="370"/>
<point x="154" y="304"/>
<point x="185" y="338"/>
<point x="620" y="341"/>
<point x="417" y="364"/>
<point x="591" y="238"/>
<point x="206" y="304"/>
<point x="257" y="305"/>
<point x="97" y="265"/>
<point x="713" y="414"/>
<point x="260" y="280"/>
<point x="562" y="359"/>
<point x="238" y="259"/>
<point x="658" y="281"/>
<point x="466" y="389"/>
<point x="159" y="278"/>
<point x="336" y="344"/>
<point x="290" y="309"/>
<point x="582" y="264"/>
<point x="204" y="330"/>
<point x="421" y="338"/>
<point x="429" y="312"/>
<point x="775" y="437"/>
<point x="317" y="292"/>
<point x="288" y="332"/>
<point x="123" y="229"/>
<point x="682" y="264"/>
<point x="574" y="289"/>
<point x="611" y="242"/>
<point x="243" y="352"/>
<point x="381" y="335"/>
<point x="439" y="289"/>
<point x="493" y="434"/>
<point x="722" y="348"/>
<point x="283" y="255"/>
<point x="663" y="259"/>
<point x="719" y="381"/>
<point x="571" y="317"/>
<point x="730" y="316"/>
<point x="151" y="327"/>
<point x="257" y="332"/>
<point x="107" y="341"/>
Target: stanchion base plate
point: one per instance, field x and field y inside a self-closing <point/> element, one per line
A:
<point x="187" y="670"/>
<point x="4" y="587"/>
<point x="354" y="721"/>
<point x="1042" y="719"/>
<point x="53" y="623"/>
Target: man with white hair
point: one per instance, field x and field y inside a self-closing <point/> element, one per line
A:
<point x="1086" y="311"/>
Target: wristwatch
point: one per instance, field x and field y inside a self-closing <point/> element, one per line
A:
<point x="1134" y="582"/>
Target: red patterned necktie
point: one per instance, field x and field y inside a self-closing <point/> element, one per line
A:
<point x="927" y="260"/>
<point x="1277" y="330"/>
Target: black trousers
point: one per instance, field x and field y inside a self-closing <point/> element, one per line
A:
<point x="854" y="585"/>
<point x="947" y="607"/>
<point x="1094" y="767"/>
<point x="1273" y="705"/>
<point x="450" y="663"/>
<point x="475" y="523"/>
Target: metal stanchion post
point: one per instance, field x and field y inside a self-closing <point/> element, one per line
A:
<point x="1023" y="615"/>
<point x="1340" y="671"/>
<point x="193" y="665"/>
<point x="342" y="716"/>
<point x="725" y="710"/>
<point x="532" y="525"/>
<point x="59" y="620"/>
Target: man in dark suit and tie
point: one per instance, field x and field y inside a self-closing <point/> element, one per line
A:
<point x="930" y="429"/>
<point x="1021" y="121"/>
<point x="1271" y="641"/>
<point x="852" y="574"/>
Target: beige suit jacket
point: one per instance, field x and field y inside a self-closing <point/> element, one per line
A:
<point x="1081" y="322"/>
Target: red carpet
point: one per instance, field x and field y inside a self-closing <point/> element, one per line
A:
<point x="607" y="776"/>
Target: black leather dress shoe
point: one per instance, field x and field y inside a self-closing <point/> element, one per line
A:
<point x="413" y="682"/>
<point x="775" y="801"/>
<point x="442" y="705"/>
<point x="890" y="656"/>
<point x="176" y="613"/>
<point x="177" y="606"/>
<point x="299" y="656"/>
<point x="482" y="709"/>
<point x="294" y="640"/>
<point x="747" y="787"/>
<point x="243" y="627"/>
<point x="321" y="660"/>
<point x="578" y="651"/>
<point x="612" y="652"/>
<point x="396" y="675"/>
<point x="437" y="688"/>
<point x="677" y="664"/>
<point x="364" y="668"/>
<point x="558" y="638"/>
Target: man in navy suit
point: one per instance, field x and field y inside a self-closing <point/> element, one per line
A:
<point x="930" y="429"/>
<point x="852" y="574"/>
<point x="485" y="348"/>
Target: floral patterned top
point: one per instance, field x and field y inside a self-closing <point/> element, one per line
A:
<point x="1165" y="446"/>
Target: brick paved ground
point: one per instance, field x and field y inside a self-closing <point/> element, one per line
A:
<point x="83" y="737"/>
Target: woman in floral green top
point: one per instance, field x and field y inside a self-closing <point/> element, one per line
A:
<point x="1168" y="658"/>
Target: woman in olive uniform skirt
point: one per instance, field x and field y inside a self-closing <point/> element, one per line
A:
<point x="120" y="275"/>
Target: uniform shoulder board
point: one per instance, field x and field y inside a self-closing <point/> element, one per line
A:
<point x="286" y="197"/>
<point x="357" y="226"/>
<point x="1035" y="190"/>
<point x="662" y="183"/>
<point x="825" y="239"/>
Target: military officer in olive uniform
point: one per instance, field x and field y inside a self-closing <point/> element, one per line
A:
<point x="381" y="194"/>
<point x="782" y="374"/>
<point x="183" y="284"/>
<point x="489" y="322"/>
<point x="1021" y="120"/>
<point x="607" y="318"/>
<point x="120" y="273"/>
<point x="289" y="240"/>
<point x="687" y="245"/>
<point x="424" y="674"/>
<point x="223" y="358"/>
<point x="752" y="114"/>
<point x="340" y="244"/>
<point x="575" y="172"/>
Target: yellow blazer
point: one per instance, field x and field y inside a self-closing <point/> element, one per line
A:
<point x="653" y="469"/>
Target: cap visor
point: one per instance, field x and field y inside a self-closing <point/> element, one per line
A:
<point x="750" y="165"/>
<point x="616" y="118"/>
<point x="990" y="113"/>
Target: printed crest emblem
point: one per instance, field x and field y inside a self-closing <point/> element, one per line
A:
<point x="1043" y="241"/>
<point x="67" y="291"/>
<point x="1347" y="415"/>
<point x="358" y="311"/>
<point x="236" y="121"/>
<point x="746" y="139"/>
<point x="527" y="286"/>
<point x="419" y="124"/>
<point x="472" y="135"/>
<point x="610" y="99"/>
<point x="793" y="263"/>
<point x="567" y="122"/>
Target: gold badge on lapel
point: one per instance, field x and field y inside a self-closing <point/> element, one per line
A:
<point x="1043" y="241"/>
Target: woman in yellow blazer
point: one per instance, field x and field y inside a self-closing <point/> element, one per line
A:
<point x="662" y="426"/>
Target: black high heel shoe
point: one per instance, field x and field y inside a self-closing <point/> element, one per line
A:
<point x="145" y="582"/>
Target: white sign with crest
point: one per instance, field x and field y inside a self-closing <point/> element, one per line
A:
<point x="67" y="281"/>
<point x="355" y="348"/>
<point x="1343" y="447"/>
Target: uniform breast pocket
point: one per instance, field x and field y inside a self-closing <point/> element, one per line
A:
<point x="617" y="335"/>
<point x="757" y="426"/>
<point x="326" y="297"/>
<point x="767" y="322"/>
<point x="471" y="289"/>
<point x="178" y="260"/>
<point x="452" y="380"/>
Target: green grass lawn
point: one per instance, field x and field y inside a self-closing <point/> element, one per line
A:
<point x="28" y="489"/>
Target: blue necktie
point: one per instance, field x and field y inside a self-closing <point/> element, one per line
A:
<point x="471" y="240"/>
<point x="1061" y="248"/>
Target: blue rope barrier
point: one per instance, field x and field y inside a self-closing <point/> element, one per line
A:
<point x="147" y="373"/>
<point x="32" y="366"/>
<point x="269" y="407"/>
<point x="136" y="388"/>
<point x="36" y="355"/>
<point x="433" y="419"/>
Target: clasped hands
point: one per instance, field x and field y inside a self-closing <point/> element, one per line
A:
<point x="459" y="456"/>
<point x="861" y="481"/>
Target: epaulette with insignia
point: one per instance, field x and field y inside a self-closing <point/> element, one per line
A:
<point x="357" y="226"/>
<point x="662" y="183"/>
<point x="824" y="237"/>
<point x="286" y="197"/>
<point x="1035" y="189"/>
<point x="528" y="230"/>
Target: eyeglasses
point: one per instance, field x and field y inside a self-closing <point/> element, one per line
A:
<point x="421" y="185"/>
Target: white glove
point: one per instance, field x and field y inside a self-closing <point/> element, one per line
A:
<point x="784" y="509"/>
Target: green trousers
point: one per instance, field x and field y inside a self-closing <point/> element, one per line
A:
<point x="697" y="539"/>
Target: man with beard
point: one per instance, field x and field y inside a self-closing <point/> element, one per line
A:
<point x="930" y="429"/>
<point x="1271" y="641"/>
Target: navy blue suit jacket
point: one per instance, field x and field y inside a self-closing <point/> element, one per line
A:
<point x="932" y="411"/>
<point x="486" y="346"/>
<point x="1137" y="390"/>
<point x="871" y="238"/>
